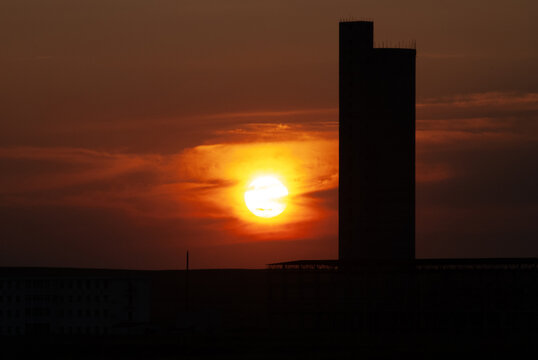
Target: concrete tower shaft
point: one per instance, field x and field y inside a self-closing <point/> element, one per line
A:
<point x="377" y="149"/>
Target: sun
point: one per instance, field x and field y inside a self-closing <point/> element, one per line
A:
<point x="265" y="197"/>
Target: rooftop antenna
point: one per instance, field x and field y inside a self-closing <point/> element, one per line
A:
<point x="187" y="282"/>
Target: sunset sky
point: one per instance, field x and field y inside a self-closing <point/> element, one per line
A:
<point x="131" y="129"/>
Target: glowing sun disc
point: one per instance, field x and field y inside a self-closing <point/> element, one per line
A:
<point x="265" y="197"/>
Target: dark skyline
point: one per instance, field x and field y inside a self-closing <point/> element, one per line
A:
<point x="122" y="124"/>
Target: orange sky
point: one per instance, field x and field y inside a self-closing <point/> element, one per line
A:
<point x="130" y="129"/>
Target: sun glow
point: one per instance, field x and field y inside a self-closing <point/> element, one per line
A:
<point x="266" y="197"/>
<point x="223" y="182"/>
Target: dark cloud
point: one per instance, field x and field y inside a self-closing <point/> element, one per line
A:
<point x="481" y="198"/>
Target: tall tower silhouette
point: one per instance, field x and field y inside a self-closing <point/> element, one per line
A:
<point x="377" y="149"/>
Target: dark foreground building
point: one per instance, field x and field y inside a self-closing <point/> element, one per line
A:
<point x="441" y="308"/>
<point x="377" y="149"/>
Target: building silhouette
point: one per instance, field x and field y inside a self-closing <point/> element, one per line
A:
<point x="377" y="149"/>
<point x="38" y="301"/>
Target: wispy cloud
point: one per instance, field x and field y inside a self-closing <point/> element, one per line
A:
<point x="474" y="152"/>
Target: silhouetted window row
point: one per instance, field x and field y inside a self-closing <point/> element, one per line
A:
<point x="7" y="300"/>
<point x="94" y="313"/>
<point x="9" y="313"/>
<point x="61" y="313"/>
<point x="86" y="284"/>
<point x="11" y="330"/>
<point x="61" y="330"/>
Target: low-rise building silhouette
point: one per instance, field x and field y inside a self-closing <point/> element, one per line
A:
<point x="37" y="301"/>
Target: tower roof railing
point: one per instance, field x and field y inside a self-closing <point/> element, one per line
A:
<point x="345" y="19"/>
<point x="405" y="44"/>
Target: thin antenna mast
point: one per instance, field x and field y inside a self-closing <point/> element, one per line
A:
<point x="187" y="282"/>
